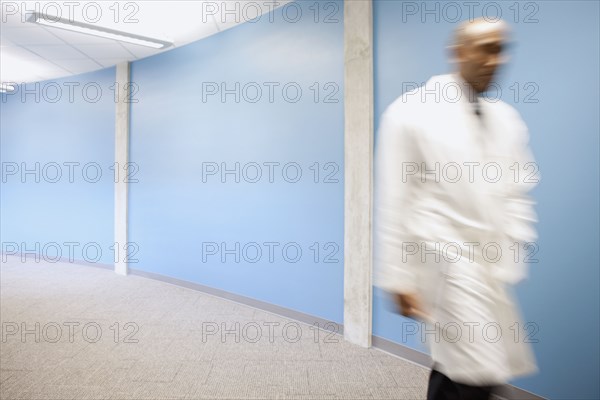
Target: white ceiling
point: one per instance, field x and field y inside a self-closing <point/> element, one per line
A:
<point x="30" y="52"/>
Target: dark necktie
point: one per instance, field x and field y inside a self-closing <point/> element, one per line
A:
<point x="477" y="106"/>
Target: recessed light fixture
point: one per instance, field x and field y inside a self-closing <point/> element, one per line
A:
<point x="6" y="87"/>
<point x="95" y="30"/>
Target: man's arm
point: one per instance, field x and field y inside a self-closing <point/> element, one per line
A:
<point x="394" y="203"/>
<point x="519" y="205"/>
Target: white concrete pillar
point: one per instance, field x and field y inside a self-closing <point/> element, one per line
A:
<point x="358" y="170"/>
<point x="121" y="160"/>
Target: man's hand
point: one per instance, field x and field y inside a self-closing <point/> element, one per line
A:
<point x="410" y="306"/>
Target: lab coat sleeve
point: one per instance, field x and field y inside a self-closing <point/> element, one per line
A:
<point x="520" y="214"/>
<point x="394" y="201"/>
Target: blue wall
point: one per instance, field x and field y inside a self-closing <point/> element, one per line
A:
<point x="180" y="218"/>
<point x="56" y="124"/>
<point x="558" y="54"/>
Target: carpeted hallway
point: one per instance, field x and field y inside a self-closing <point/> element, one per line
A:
<point x="104" y="336"/>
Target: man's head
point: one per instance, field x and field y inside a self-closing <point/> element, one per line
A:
<point x="478" y="51"/>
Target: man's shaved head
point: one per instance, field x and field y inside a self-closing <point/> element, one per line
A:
<point x="467" y="30"/>
<point x="477" y="47"/>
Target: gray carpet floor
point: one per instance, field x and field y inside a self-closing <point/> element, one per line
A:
<point x="79" y="332"/>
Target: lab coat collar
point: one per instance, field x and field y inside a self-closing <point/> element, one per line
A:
<point x="469" y="93"/>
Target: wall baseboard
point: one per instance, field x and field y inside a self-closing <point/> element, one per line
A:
<point x="65" y="260"/>
<point x="247" y="301"/>
<point x="506" y="392"/>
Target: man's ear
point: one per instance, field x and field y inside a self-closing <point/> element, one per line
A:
<point x="455" y="52"/>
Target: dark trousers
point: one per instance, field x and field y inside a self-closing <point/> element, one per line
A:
<point x="443" y="388"/>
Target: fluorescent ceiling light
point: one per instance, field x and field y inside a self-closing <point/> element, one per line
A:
<point x="94" y="30"/>
<point x="5" y="87"/>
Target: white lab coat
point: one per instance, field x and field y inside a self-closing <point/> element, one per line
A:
<point x="465" y="291"/>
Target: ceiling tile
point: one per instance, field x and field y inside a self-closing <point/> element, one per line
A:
<point x="30" y="35"/>
<point x="79" y="38"/>
<point x="109" y="62"/>
<point x="80" y="66"/>
<point x="12" y="19"/>
<point x="57" y="52"/>
<point x="113" y="50"/>
<point x="20" y="70"/>
<point x="20" y="53"/>
<point x="5" y="42"/>
<point x="139" y="51"/>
